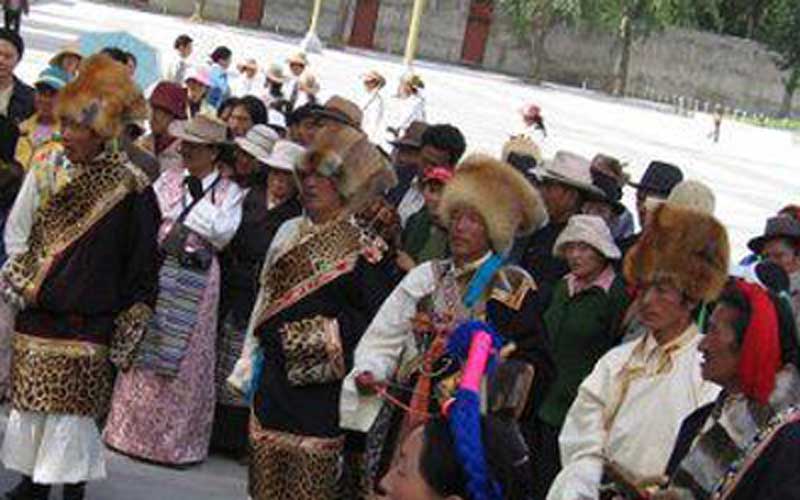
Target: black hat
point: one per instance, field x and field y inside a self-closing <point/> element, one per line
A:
<point x="781" y="226"/>
<point x="611" y="191"/>
<point x="660" y="178"/>
<point x="14" y="39"/>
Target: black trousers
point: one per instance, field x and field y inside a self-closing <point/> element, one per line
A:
<point x="13" y="19"/>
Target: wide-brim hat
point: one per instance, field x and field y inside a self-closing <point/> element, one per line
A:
<point x="250" y="64"/>
<point x="343" y="111"/>
<point x="258" y="142"/>
<point x="201" y="129"/>
<point x="589" y="229"/>
<point x="346" y="155"/>
<point x="374" y="76"/>
<point x="285" y="155"/>
<point x="781" y="226"/>
<point x="412" y="136"/>
<point x="685" y="247"/>
<point x="610" y="192"/>
<point x="309" y="82"/>
<point x="659" y="178"/>
<point x="275" y="73"/>
<point x="71" y="49"/>
<point x="103" y="97"/>
<point x="570" y="169"/>
<point x="509" y="205"/>
<point x="298" y="58"/>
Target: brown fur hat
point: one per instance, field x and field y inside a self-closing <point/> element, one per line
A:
<point x="103" y="97"/>
<point x="345" y="154"/>
<point x="509" y="204"/>
<point x="685" y="246"/>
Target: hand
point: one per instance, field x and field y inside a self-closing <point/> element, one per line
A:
<point x="405" y="262"/>
<point x="366" y="383"/>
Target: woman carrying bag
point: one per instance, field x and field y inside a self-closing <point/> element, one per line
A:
<point x="163" y="404"/>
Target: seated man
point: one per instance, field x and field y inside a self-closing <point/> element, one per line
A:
<point x="747" y="443"/>
<point x="633" y="402"/>
<point x="485" y="204"/>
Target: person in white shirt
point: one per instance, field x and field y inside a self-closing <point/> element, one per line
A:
<point x="248" y="81"/>
<point x="628" y="411"/>
<point x="178" y="68"/>
<point x="373" y="106"/>
<point x="407" y="106"/>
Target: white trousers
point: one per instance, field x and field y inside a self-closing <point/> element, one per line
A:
<point x="53" y="449"/>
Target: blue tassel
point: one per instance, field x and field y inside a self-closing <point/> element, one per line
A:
<point x="258" y="368"/>
<point x="481" y="280"/>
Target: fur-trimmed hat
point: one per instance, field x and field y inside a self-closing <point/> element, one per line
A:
<point x="685" y="246"/>
<point x="103" y="97"/>
<point x="509" y="204"/>
<point x="345" y="154"/>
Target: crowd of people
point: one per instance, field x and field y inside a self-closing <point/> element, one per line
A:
<point x="338" y="296"/>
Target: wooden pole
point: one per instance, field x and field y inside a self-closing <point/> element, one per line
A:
<point x="413" y="32"/>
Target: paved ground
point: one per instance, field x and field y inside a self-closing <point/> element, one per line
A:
<point x="752" y="170"/>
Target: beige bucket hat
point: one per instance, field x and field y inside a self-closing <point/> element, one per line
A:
<point x="570" y="169"/>
<point x="258" y="142"/>
<point x="589" y="229"/>
<point x="285" y="155"/>
<point x="202" y="129"/>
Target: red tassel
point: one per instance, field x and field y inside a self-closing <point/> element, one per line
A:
<point x="761" y="348"/>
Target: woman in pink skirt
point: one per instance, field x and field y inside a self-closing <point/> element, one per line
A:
<point x="163" y="405"/>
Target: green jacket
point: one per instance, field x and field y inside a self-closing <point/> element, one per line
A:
<point x="582" y="329"/>
<point x="423" y="240"/>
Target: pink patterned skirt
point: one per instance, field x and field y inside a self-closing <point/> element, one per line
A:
<point x="168" y="420"/>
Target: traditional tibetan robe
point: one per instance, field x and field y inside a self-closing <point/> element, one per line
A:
<point x="392" y="352"/>
<point x="738" y="449"/>
<point x="627" y="410"/>
<point x="88" y="275"/>
<point x="320" y="287"/>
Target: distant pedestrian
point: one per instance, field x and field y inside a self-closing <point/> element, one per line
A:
<point x="178" y="68"/>
<point x="373" y="106"/>
<point x="719" y="113"/>
<point x="13" y="10"/>
<point x="220" y="88"/>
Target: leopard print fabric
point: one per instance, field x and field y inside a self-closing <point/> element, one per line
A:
<point x="291" y="467"/>
<point x="58" y="376"/>
<point x="313" y="351"/>
<point x="68" y="215"/>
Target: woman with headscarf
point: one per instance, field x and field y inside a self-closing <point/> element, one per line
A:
<point x="745" y="445"/>
<point x="264" y="169"/>
<point x="168" y="103"/>
<point x="164" y="401"/>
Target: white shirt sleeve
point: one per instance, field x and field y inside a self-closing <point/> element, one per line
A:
<point x="583" y="438"/>
<point x="381" y="347"/>
<point x="20" y="219"/>
<point x="217" y="224"/>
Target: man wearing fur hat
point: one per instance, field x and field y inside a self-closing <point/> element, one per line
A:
<point x="484" y="206"/>
<point x="634" y="400"/>
<point x="84" y="284"/>
<point x="325" y="275"/>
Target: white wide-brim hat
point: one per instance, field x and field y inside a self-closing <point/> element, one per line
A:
<point x="285" y="155"/>
<point x="258" y="142"/>
<point x="570" y="169"/>
<point x="589" y="229"/>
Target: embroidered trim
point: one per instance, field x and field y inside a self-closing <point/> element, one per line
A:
<point x="66" y="218"/>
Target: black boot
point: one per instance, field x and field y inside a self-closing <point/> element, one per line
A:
<point x="22" y="491"/>
<point x="74" y="491"/>
<point x="28" y="490"/>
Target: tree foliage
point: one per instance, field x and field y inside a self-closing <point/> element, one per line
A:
<point x="780" y="32"/>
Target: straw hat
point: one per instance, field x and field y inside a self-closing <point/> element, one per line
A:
<point x="342" y="110"/>
<point x="202" y="129"/>
<point x="250" y="64"/>
<point x="589" y="229"/>
<point x="258" y="142"/>
<point x="309" y="83"/>
<point x="413" y="80"/>
<point x="298" y="58"/>
<point x="285" y="155"/>
<point x="71" y="49"/>
<point x="570" y="169"/>
<point x="374" y="76"/>
<point x="275" y="73"/>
